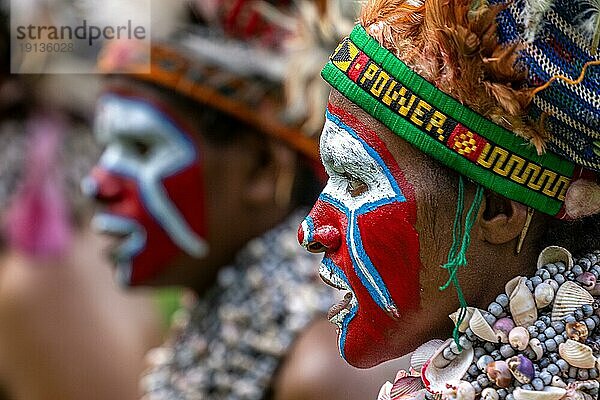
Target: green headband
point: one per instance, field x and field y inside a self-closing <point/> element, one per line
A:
<point x="439" y="125"/>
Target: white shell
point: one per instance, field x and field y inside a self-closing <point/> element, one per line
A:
<point x="554" y="254"/>
<point x="522" y="304"/>
<point x="577" y="354"/>
<point x="465" y="391"/>
<point x="570" y="297"/>
<point x="519" y="338"/>
<point x="384" y="392"/>
<point x="452" y="372"/>
<point x="489" y="394"/>
<point x="423" y="353"/>
<point x="558" y="382"/>
<point x="536" y="346"/>
<point x="549" y="393"/>
<point x="544" y="294"/>
<point x="481" y="328"/>
<point x="465" y="323"/>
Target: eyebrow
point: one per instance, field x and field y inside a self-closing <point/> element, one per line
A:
<point x="354" y="158"/>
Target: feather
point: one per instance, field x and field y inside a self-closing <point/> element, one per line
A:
<point x="533" y="17"/>
<point x="590" y="23"/>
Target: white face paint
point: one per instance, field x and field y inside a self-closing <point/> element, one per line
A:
<point x="350" y="163"/>
<point x="345" y="159"/>
<point x="145" y="146"/>
<point x="150" y="181"/>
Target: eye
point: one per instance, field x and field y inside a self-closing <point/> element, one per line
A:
<point x="139" y="147"/>
<point x="355" y="187"/>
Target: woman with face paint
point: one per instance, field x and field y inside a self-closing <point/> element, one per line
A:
<point x="460" y="140"/>
<point x="203" y="170"/>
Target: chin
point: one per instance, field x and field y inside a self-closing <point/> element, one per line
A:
<point x="368" y="341"/>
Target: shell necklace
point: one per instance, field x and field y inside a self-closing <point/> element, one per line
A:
<point x="540" y="340"/>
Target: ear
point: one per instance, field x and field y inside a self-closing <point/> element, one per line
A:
<point x="271" y="180"/>
<point x="501" y="219"/>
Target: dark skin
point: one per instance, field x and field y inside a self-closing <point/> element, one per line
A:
<point x="244" y="199"/>
<point x="492" y="259"/>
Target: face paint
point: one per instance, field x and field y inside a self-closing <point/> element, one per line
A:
<point x="150" y="179"/>
<point x="364" y="221"/>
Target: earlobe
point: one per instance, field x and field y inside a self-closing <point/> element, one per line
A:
<point x="502" y="220"/>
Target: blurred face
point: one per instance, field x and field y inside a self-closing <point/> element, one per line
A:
<point x="150" y="179"/>
<point x="364" y="221"/>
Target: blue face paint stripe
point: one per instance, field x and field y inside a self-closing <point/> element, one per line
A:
<point x="335" y="119"/>
<point x="155" y="199"/>
<point x="330" y="265"/>
<point x="154" y="110"/>
<point x="379" y="292"/>
<point x="344" y="331"/>
<point x="311" y="228"/>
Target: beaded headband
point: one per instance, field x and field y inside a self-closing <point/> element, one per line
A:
<point x="411" y="107"/>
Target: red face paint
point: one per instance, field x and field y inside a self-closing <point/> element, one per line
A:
<point x="150" y="180"/>
<point x="371" y="207"/>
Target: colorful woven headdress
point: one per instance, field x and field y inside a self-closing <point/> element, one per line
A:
<point x="242" y="57"/>
<point x="507" y="93"/>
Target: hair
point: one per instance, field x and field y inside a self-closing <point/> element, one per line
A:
<point x="579" y="236"/>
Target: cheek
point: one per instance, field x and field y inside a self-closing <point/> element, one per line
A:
<point x="185" y="189"/>
<point x="391" y="242"/>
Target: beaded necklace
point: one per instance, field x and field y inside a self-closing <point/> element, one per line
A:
<point x="540" y="340"/>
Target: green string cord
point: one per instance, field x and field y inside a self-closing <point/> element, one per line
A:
<point x="461" y="240"/>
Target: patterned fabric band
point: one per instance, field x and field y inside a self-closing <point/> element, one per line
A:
<point x="411" y="107"/>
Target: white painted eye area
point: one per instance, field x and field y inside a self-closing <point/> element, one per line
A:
<point x="357" y="175"/>
<point x="356" y="186"/>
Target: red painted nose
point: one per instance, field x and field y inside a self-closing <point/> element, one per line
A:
<point x="320" y="239"/>
<point x="102" y="186"/>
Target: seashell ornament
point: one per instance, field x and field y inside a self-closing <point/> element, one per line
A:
<point x="481" y="328"/>
<point x="502" y="328"/>
<point x="521" y="367"/>
<point x="549" y="393"/>
<point x="459" y="391"/>
<point x="569" y="297"/>
<point x="519" y="338"/>
<point x="577" y="354"/>
<point x="437" y="372"/>
<point x="423" y="353"/>
<point x="489" y="394"/>
<point x="577" y="331"/>
<point x="553" y="254"/>
<point x="536" y="346"/>
<point x="498" y="372"/>
<point x="522" y="303"/>
<point x="587" y="280"/>
<point x="465" y="322"/>
<point x="544" y="294"/>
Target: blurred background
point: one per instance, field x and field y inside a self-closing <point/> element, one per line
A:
<point x="67" y="330"/>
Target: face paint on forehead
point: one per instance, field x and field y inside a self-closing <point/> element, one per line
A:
<point x="154" y="161"/>
<point x="365" y="220"/>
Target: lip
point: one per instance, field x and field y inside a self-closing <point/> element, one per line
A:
<point x="342" y="312"/>
<point x="130" y="238"/>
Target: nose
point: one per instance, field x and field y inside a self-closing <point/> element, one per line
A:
<point x="101" y="185"/>
<point x="318" y="240"/>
